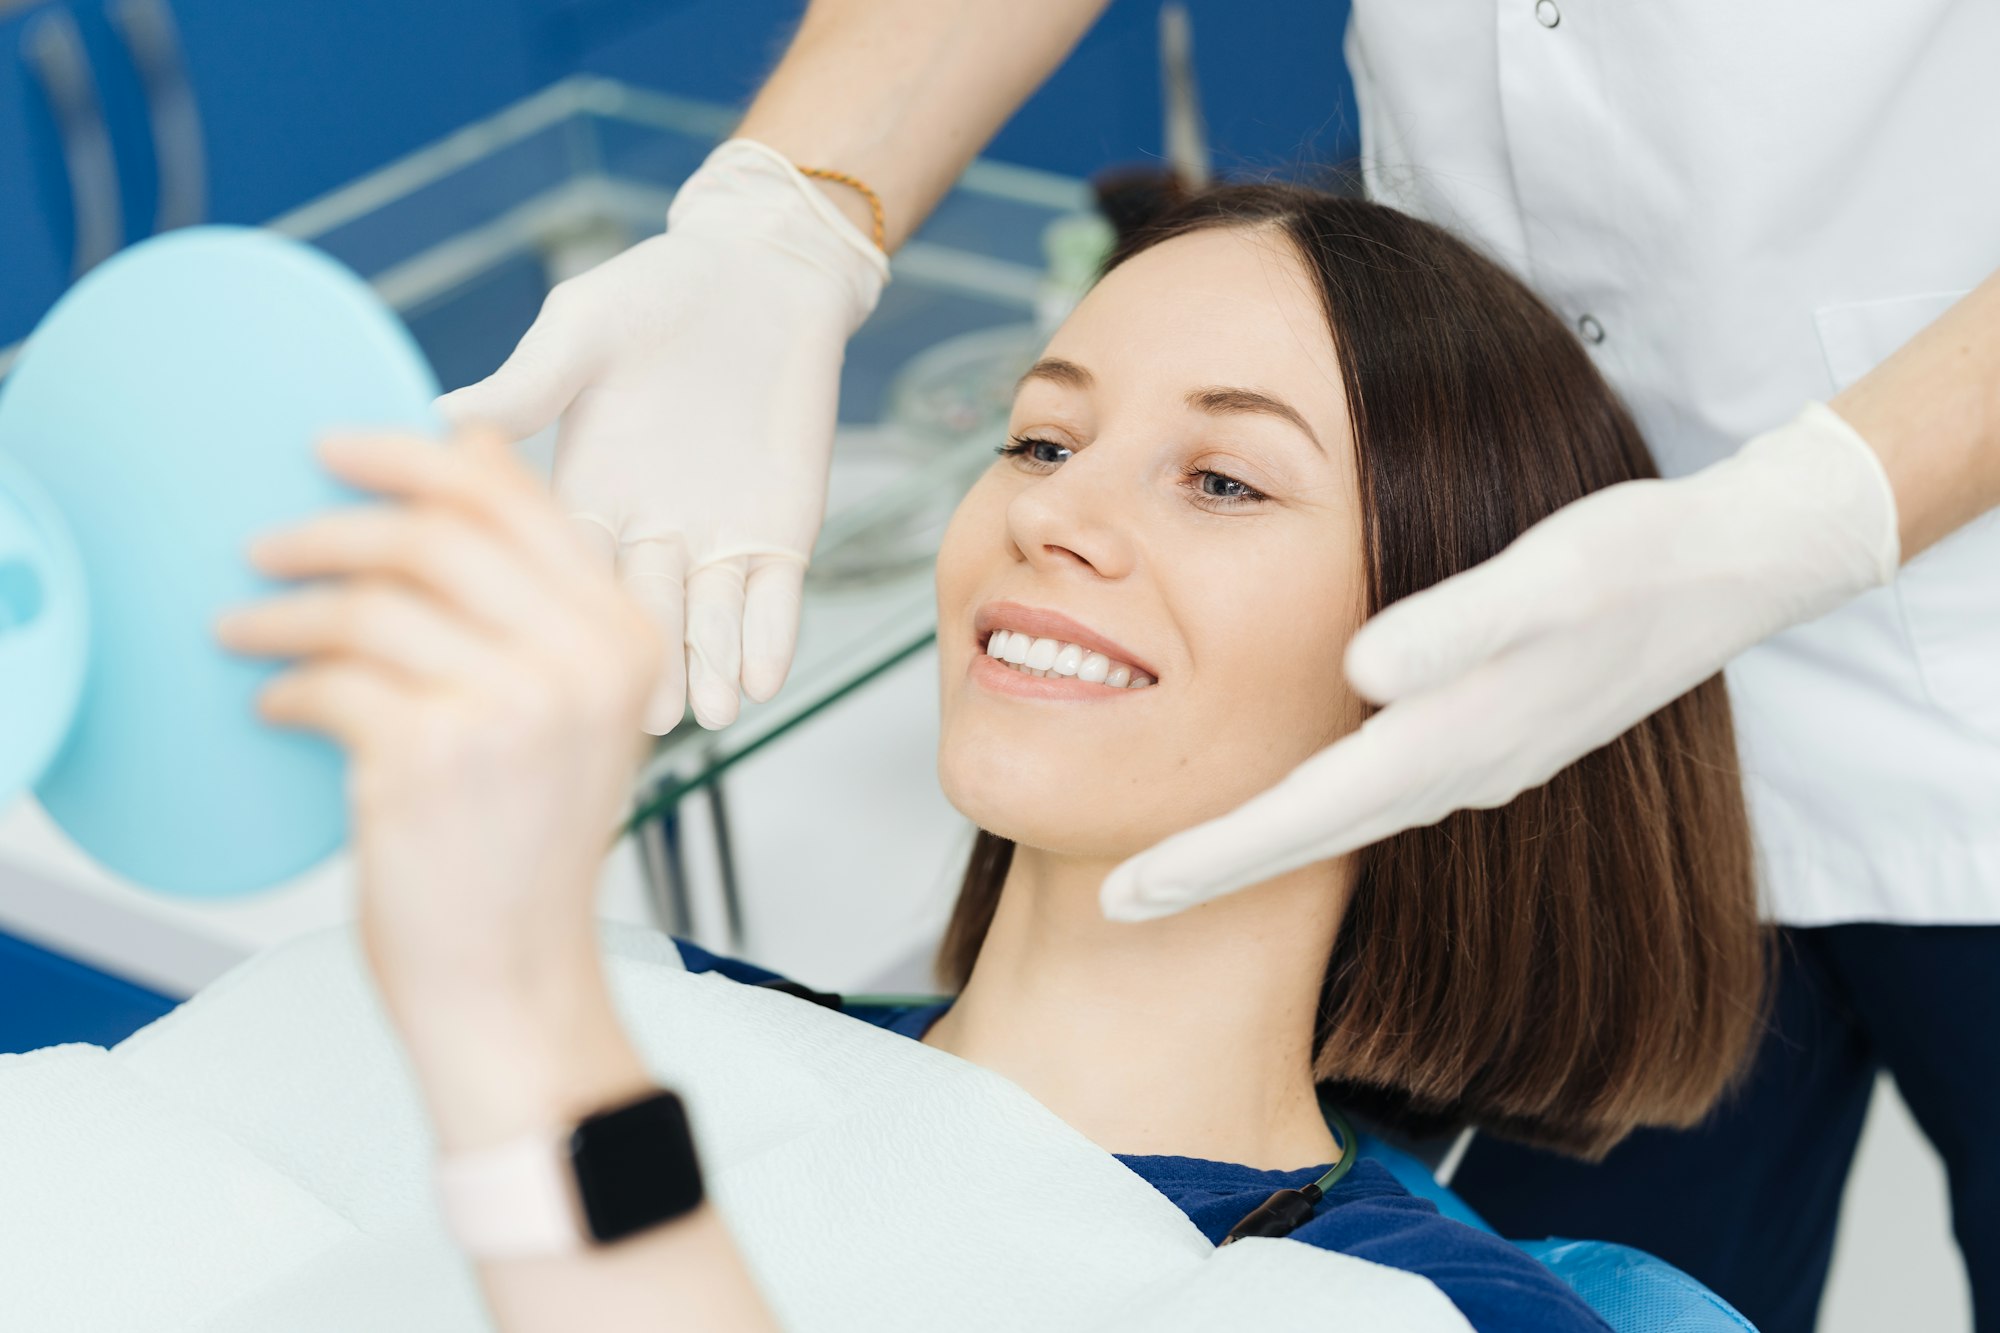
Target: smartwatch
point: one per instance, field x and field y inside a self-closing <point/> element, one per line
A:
<point x="620" y="1171"/>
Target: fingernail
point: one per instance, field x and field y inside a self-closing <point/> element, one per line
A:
<point x="1125" y="901"/>
<point x="1155" y="899"/>
<point x="715" y="708"/>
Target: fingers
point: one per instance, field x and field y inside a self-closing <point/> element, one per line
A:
<point x="353" y="702"/>
<point x="1477" y="742"/>
<point x="385" y="623"/>
<point x="479" y="474"/>
<point x="654" y="573"/>
<point x="715" y="640"/>
<point x="1436" y="635"/>
<point x="438" y="550"/>
<point x="1346" y="796"/>
<point x="772" y="602"/>
<point x="597" y="540"/>
<point x="555" y="360"/>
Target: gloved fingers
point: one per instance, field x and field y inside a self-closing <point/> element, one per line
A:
<point x="715" y="640"/>
<point x="772" y="601"/>
<point x="654" y="572"/>
<point x="1305" y="817"/>
<point x="1444" y="631"/>
<point x="1476" y="742"/>
<point x="1330" y="804"/>
<point x="554" y="361"/>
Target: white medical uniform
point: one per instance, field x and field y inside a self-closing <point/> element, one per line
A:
<point x="1741" y="207"/>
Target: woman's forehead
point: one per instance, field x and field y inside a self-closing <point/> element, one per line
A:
<point x="1220" y="306"/>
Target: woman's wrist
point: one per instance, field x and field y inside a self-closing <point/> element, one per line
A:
<point x="499" y="1059"/>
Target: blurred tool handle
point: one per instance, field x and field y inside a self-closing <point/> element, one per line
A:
<point x="153" y="40"/>
<point x="55" y="53"/>
<point x="1186" y="130"/>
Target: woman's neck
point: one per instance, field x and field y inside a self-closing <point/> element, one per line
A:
<point x="1189" y="1036"/>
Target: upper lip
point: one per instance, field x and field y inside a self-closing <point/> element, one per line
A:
<point x="1040" y="623"/>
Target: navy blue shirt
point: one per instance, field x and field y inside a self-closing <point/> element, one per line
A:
<point x="1366" y="1214"/>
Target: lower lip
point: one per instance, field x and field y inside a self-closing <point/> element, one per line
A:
<point x="1002" y="679"/>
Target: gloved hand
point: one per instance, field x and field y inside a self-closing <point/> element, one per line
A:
<point x="1594" y="618"/>
<point x="697" y="376"/>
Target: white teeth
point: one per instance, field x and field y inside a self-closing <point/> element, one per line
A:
<point x="1053" y="657"/>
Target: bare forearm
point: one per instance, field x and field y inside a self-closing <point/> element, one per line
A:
<point x="904" y="93"/>
<point x="1932" y="414"/>
<point x="493" y="1066"/>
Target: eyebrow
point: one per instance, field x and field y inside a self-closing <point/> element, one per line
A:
<point x="1215" y="400"/>
<point x="1222" y="402"/>
<point x="1066" y="373"/>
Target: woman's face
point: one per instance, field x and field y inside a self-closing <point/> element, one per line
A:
<point x="1185" y="503"/>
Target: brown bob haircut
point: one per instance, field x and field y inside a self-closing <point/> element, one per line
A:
<point x="1587" y="958"/>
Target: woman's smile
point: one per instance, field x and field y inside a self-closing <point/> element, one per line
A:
<point x="1035" y="653"/>
<point x="1003" y="677"/>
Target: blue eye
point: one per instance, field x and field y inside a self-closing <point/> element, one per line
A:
<point x="1242" y="491"/>
<point x="1023" y="446"/>
<point x="1229" y="493"/>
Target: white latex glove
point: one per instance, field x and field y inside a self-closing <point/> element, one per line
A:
<point x="1594" y="618"/>
<point x="697" y="376"/>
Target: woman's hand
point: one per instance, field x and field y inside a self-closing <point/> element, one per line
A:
<point x="487" y="681"/>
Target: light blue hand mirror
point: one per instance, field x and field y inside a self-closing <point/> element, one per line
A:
<point x="44" y="630"/>
<point x="167" y="409"/>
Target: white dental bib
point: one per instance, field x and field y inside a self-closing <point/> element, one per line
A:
<point x="258" y="1160"/>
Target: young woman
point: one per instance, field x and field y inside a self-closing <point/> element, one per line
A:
<point x="1277" y="412"/>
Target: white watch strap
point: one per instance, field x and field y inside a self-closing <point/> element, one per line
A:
<point x="514" y="1200"/>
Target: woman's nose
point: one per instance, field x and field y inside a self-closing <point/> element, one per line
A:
<point x="1083" y="514"/>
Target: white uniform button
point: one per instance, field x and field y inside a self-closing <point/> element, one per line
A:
<point x="1547" y="14"/>
<point x="1592" y="331"/>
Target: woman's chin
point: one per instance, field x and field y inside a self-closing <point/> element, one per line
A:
<point x="1045" y="816"/>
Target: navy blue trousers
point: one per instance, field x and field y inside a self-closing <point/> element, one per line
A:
<point x="1747" y="1200"/>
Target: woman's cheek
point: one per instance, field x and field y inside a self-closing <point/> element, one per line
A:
<point x="973" y="541"/>
<point x="1275" y="624"/>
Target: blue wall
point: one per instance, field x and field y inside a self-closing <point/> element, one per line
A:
<point x="1274" y="87"/>
<point x="299" y="96"/>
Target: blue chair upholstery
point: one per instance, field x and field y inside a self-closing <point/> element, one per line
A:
<point x="1634" y="1292"/>
<point x="1630" y="1289"/>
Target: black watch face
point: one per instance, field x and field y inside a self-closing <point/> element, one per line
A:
<point x="635" y="1167"/>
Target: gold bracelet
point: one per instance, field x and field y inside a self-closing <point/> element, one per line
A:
<point x="874" y="200"/>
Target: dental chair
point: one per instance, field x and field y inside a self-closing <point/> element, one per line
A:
<point x="151" y="759"/>
<point x="1629" y="1289"/>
